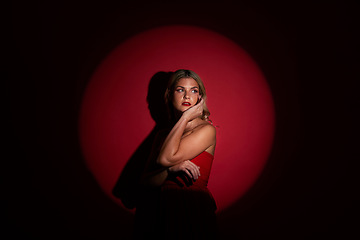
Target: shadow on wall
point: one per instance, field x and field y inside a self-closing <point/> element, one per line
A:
<point x="127" y="188"/>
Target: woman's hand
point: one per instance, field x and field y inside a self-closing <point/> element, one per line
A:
<point x="195" y="111"/>
<point x="192" y="170"/>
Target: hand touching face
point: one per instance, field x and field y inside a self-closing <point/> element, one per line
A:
<point x="186" y="94"/>
<point x="194" y="111"/>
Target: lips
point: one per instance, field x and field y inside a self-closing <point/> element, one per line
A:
<point x="186" y="104"/>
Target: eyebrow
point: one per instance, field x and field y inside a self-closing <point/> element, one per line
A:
<point x="190" y="88"/>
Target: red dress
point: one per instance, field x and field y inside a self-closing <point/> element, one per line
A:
<point x="187" y="208"/>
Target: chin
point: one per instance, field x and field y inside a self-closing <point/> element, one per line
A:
<point x="183" y="109"/>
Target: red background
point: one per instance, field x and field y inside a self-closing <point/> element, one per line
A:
<point x="115" y="119"/>
<point x="307" y="51"/>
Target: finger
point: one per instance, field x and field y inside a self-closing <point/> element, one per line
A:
<point x="188" y="168"/>
<point x="200" y="106"/>
<point x="196" y="169"/>
<point x="200" y="102"/>
<point x="188" y="172"/>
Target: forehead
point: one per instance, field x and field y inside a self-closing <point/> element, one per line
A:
<point x="187" y="82"/>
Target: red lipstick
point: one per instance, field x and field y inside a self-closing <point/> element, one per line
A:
<point x="186" y="104"/>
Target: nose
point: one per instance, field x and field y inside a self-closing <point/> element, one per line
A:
<point x="186" y="95"/>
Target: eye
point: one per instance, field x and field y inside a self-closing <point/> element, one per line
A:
<point x="195" y="91"/>
<point x="179" y="90"/>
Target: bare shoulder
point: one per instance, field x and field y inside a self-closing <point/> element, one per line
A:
<point x="205" y="128"/>
<point x="207" y="132"/>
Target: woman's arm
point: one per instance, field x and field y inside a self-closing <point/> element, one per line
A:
<point x="156" y="178"/>
<point x="155" y="174"/>
<point x="177" y="149"/>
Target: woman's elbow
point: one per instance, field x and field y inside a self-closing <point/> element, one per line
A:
<point x="164" y="162"/>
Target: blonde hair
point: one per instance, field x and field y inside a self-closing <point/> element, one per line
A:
<point x="169" y="94"/>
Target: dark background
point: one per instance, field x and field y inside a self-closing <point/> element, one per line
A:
<point x="308" y="53"/>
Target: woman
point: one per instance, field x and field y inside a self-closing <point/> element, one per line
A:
<point x="180" y="165"/>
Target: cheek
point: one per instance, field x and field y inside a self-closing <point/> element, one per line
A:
<point x="176" y="99"/>
<point x="195" y="96"/>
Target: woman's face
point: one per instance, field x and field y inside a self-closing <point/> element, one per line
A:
<point x="186" y="94"/>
